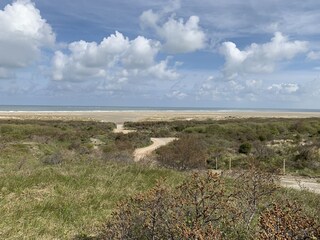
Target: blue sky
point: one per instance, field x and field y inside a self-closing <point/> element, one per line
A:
<point x="222" y="53"/>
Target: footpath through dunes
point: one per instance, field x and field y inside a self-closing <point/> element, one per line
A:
<point x="140" y="153"/>
<point x="120" y="129"/>
<point x="300" y="183"/>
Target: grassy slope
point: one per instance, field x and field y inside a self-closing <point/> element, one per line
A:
<point x="42" y="201"/>
<point x="50" y="202"/>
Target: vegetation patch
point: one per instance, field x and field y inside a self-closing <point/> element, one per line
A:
<point x="207" y="207"/>
<point x="231" y="143"/>
<point x="65" y="179"/>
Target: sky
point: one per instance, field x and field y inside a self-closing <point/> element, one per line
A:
<point x="161" y="53"/>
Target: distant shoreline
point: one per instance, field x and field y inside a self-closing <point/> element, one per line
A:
<point x="52" y="108"/>
<point x="149" y="115"/>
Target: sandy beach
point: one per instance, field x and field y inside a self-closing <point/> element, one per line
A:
<point x="123" y="116"/>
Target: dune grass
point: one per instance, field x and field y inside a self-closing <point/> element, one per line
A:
<point x="59" y="202"/>
<point x="55" y="185"/>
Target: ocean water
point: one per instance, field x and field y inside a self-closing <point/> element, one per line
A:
<point x="42" y="108"/>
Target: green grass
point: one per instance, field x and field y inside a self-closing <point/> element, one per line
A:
<point x="46" y="200"/>
<point x="59" y="202"/>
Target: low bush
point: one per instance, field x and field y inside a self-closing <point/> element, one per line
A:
<point x="188" y="152"/>
<point x="245" y="148"/>
<point x="53" y="159"/>
<point x="207" y="207"/>
<point x="287" y="222"/>
<point x="198" y="209"/>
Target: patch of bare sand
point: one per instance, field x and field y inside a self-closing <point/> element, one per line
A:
<point x="120" y="129"/>
<point x="300" y="183"/>
<point x="140" y="153"/>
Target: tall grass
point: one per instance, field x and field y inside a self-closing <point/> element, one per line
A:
<point x="59" y="202"/>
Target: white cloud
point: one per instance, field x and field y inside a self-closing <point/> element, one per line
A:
<point x="177" y="94"/>
<point x="253" y="83"/>
<point x="260" y="89"/>
<point x="23" y="33"/>
<point x="149" y="19"/>
<point x="116" y="58"/>
<point x="161" y="71"/>
<point x="141" y="53"/>
<point x="313" y="55"/>
<point x="179" y="36"/>
<point x="260" y="58"/>
<point x="284" y="88"/>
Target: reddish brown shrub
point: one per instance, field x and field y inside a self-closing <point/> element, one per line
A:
<point x="198" y="209"/>
<point x="287" y="223"/>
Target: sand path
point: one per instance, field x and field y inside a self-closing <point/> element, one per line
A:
<point x="120" y="129"/>
<point x="140" y="153"/>
<point x="300" y="183"/>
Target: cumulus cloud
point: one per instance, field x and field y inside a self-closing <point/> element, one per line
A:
<point x="259" y="58"/>
<point x="115" y="58"/>
<point x="141" y="53"/>
<point x="161" y="70"/>
<point x="179" y="36"/>
<point x="261" y="89"/>
<point x="284" y="88"/>
<point x="23" y="33"/>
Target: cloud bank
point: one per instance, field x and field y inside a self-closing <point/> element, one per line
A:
<point x="114" y="58"/>
<point x="260" y="58"/>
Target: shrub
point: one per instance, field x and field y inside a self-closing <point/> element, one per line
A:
<point x="245" y="148"/>
<point x="307" y="157"/>
<point x="198" y="209"/>
<point x="119" y="156"/>
<point x="251" y="188"/>
<point x="186" y="153"/>
<point x="53" y="159"/>
<point x="287" y="222"/>
<point x="203" y="208"/>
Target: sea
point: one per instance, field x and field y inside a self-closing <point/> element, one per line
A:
<point x="43" y="108"/>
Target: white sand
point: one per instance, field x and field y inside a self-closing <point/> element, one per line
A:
<point x="123" y="116"/>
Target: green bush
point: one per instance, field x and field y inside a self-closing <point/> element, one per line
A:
<point x="245" y="148"/>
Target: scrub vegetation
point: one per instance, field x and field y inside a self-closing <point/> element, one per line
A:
<point x="78" y="180"/>
<point x="272" y="142"/>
